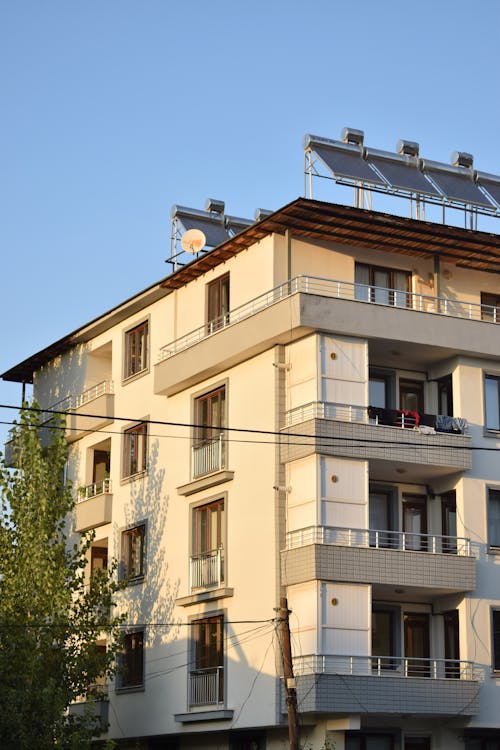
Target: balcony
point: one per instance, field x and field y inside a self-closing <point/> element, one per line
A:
<point x="96" y="707"/>
<point x="308" y="303"/>
<point x="86" y="412"/>
<point x="9" y="454"/>
<point x="419" y="561"/>
<point x="206" y="570"/>
<point x="348" y="430"/>
<point x="386" y="685"/>
<point x="207" y="457"/>
<point x="206" y="687"/>
<point x="94" y="504"/>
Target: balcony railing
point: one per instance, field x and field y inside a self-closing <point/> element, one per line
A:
<point x="399" y="418"/>
<point x="206" y="687"/>
<point x="386" y="666"/>
<point x="346" y="290"/>
<point x="91" y="490"/>
<point x="72" y="402"/>
<point x="207" y="457"/>
<point x="394" y="540"/>
<point x="206" y="570"/>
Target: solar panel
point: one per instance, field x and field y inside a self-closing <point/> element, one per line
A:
<point x="491" y="183"/>
<point x="345" y="160"/>
<point x="212" y="226"/>
<point x="455" y="183"/>
<point x="401" y="172"/>
<point x="236" y="224"/>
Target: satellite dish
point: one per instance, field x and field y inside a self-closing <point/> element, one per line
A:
<point x="193" y="241"/>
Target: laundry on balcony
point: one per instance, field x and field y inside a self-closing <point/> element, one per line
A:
<point x="427" y="424"/>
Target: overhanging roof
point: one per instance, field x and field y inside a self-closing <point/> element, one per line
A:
<point x="307" y="219"/>
<point x="331" y="222"/>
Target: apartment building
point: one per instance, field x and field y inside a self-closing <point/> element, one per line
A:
<point x="310" y="409"/>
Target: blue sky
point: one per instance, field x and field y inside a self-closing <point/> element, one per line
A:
<point x="113" y="110"/>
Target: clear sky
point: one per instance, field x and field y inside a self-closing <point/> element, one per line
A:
<point x="113" y="110"/>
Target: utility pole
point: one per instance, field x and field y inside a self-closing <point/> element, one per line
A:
<point x="291" y="692"/>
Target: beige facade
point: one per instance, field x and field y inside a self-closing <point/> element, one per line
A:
<point x="332" y="438"/>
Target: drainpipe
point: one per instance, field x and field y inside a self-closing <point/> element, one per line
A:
<point x="437" y="279"/>
<point x="288" y="240"/>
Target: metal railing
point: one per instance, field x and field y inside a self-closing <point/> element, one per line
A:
<point x="206" y="687"/>
<point x="207" y="457"/>
<point x="91" y="490"/>
<point x="327" y="410"/>
<point x="74" y="401"/>
<point x="386" y="666"/>
<point x="398" y="418"/>
<point x="206" y="570"/>
<point x="346" y="290"/>
<point x="379" y="539"/>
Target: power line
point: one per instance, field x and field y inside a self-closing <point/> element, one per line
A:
<point x="283" y="436"/>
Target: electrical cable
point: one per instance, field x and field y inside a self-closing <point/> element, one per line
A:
<point x="284" y="437"/>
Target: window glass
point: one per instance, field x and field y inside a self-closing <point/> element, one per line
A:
<point x="386" y="286"/>
<point x="206" y="679"/>
<point x="494" y="518"/>
<point x="490" y="307"/>
<point x="209" y="448"/>
<point x="132" y="660"/>
<point x="218" y="303"/>
<point x="496" y="638"/>
<point x="492" y="402"/>
<point x="136" y="350"/>
<point x="135" y="449"/>
<point x="133" y="548"/>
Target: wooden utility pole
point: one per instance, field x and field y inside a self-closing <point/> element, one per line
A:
<point x="291" y="692"/>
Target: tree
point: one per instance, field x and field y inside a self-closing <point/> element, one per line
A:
<point x="50" y="614"/>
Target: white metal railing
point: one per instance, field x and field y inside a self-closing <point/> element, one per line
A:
<point x="379" y="539"/>
<point x="91" y="490"/>
<point x="347" y="290"/>
<point x="398" y="418"/>
<point x="386" y="666"/>
<point x="207" y="457"/>
<point x="206" y="686"/>
<point x="74" y="401"/>
<point x="206" y="570"/>
<point x="327" y="410"/>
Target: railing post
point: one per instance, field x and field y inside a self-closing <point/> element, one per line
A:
<point x="403" y="541"/>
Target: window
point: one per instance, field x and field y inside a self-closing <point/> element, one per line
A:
<point x="207" y="562"/>
<point x="209" y="447"/>
<point x="411" y="395"/>
<point x="386" y="286"/>
<point x="490" y="307"/>
<point x="449" y="521"/>
<point x="218" y="303"/>
<point x="133" y="552"/>
<point x="136" y="350"/>
<point x="445" y="396"/>
<point x="368" y="741"/>
<point x="134" y="449"/>
<point x="494" y="518"/>
<point x="131" y="672"/>
<point x="415" y="522"/>
<point x="495" y="637"/>
<point x="247" y="740"/>
<point x="492" y="402"/>
<point x="206" y="680"/>
<point x="451" y="644"/>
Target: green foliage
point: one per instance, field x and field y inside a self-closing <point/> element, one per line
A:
<point x="50" y="614"/>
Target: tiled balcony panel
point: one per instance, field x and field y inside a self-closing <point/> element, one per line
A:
<point x="324" y="562"/>
<point x="93" y="512"/>
<point x="359" y="440"/>
<point x="386" y="695"/>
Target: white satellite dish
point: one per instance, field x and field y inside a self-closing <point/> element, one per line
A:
<point x="193" y="241"/>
